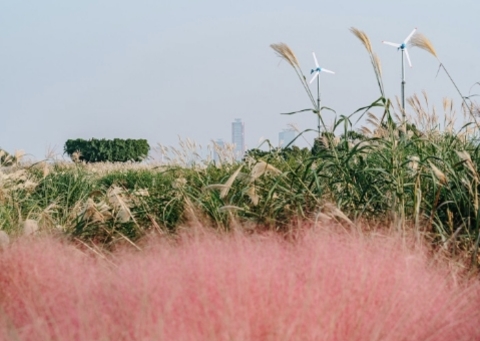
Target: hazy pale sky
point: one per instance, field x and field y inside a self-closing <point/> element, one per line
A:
<point x="163" y="69"/>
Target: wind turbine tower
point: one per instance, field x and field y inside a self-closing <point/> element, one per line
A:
<point x="316" y="75"/>
<point x="403" y="47"/>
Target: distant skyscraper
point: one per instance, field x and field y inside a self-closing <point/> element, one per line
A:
<point x="285" y="137"/>
<point x="238" y="138"/>
<point x="217" y="149"/>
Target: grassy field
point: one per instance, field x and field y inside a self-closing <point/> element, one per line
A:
<point x="408" y="170"/>
<point x="420" y="178"/>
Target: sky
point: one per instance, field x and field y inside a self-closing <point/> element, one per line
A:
<point x="161" y="70"/>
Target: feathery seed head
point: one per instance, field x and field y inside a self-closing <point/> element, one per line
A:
<point x="118" y="199"/>
<point x="438" y="174"/>
<point x="425" y="97"/>
<point x="464" y="156"/>
<point x="261" y="168"/>
<point x="94" y="213"/>
<point x="362" y="36"/>
<point x="284" y="52"/>
<point x="252" y="194"/>
<point x="325" y="142"/>
<point x="365" y="131"/>
<point x="419" y="40"/>
<point x="373" y="120"/>
<point x="226" y="187"/>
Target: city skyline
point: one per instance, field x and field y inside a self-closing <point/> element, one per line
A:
<point x="238" y="138"/>
<point x="285" y="137"/>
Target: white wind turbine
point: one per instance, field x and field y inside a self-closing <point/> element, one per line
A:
<point x="316" y="74"/>
<point x="403" y="48"/>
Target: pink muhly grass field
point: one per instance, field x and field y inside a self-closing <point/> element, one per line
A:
<point x="323" y="286"/>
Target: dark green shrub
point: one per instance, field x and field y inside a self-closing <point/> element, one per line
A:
<point x="116" y="150"/>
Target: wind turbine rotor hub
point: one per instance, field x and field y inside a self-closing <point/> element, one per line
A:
<point x="317" y="70"/>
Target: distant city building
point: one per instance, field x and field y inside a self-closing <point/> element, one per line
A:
<point x="285" y="137"/>
<point x="238" y="138"/>
<point x="219" y="145"/>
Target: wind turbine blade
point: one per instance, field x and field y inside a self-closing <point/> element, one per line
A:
<point x="327" y="71"/>
<point x="315" y="59"/>
<point x="392" y="44"/>
<point x="410" y="36"/>
<point x="408" y="57"/>
<point x="314" y="76"/>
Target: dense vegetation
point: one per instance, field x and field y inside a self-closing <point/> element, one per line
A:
<point x="428" y="181"/>
<point x="116" y="150"/>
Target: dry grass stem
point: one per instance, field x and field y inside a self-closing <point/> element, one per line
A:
<point x="377" y="63"/>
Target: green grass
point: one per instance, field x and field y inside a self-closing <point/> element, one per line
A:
<point x="426" y="180"/>
<point x="392" y="178"/>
